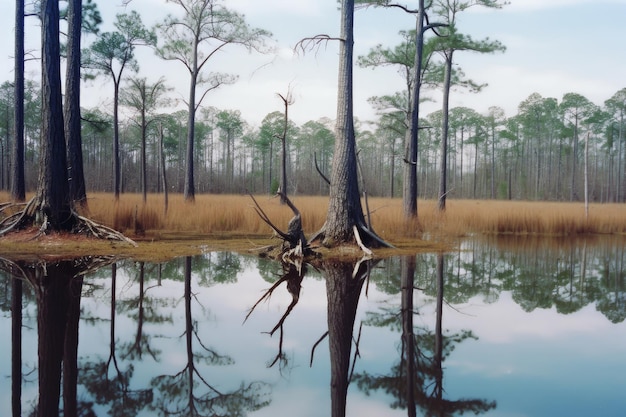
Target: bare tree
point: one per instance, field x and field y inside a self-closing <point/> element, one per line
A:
<point x="205" y="28"/>
<point x="287" y="101"/>
<point x="345" y="220"/>
<point x="144" y="98"/>
<point x="111" y="54"/>
<point x="450" y="43"/>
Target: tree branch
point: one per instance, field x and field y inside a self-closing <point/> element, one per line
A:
<point x="313" y="43"/>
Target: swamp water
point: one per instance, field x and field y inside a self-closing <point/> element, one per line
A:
<point x="502" y="328"/>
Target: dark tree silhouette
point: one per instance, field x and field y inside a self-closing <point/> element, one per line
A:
<point x="18" y="184"/>
<point x="188" y="392"/>
<point x="52" y="208"/>
<point x="57" y="286"/>
<point x="417" y="379"/>
<point x="344" y="281"/>
<point x="16" y="346"/>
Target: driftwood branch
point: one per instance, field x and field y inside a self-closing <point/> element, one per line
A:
<point x="295" y="245"/>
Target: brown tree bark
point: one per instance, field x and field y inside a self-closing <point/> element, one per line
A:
<point x="53" y="205"/>
<point x="344" y="209"/>
<point x="71" y="111"/>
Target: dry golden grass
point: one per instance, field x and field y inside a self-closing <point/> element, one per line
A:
<point x="233" y="215"/>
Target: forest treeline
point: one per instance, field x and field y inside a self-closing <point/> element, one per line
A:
<point x="536" y="154"/>
<point x="540" y="153"/>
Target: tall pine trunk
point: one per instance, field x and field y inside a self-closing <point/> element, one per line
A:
<point x="409" y="191"/>
<point x="443" y="176"/>
<point x="18" y="183"/>
<point x="190" y="188"/>
<point x="344" y="209"/>
<point x="72" y="105"/>
<point x="53" y="206"/>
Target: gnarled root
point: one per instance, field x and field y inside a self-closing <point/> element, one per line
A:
<point x="30" y="216"/>
<point x="363" y="237"/>
<point x="295" y="245"/>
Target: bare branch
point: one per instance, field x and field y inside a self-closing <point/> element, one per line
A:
<point x="315" y="346"/>
<point x="266" y="219"/>
<point x="314" y="43"/>
<point x="318" y="169"/>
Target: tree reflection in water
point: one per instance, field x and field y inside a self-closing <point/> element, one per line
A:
<point x="180" y="394"/>
<point x="57" y="286"/>
<point x="417" y="379"/>
<point x="344" y="281"/>
<point x="147" y="349"/>
<point x="114" y="391"/>
<point x="293" y="273"/>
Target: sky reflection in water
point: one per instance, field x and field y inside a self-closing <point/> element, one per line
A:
<point x="514" y="345"/>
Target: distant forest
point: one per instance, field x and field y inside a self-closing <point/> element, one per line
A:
<point x="540" y="153"/>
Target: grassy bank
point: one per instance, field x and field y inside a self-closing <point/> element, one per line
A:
<point x="229" y="222"/>
<point x="233" y="215"/>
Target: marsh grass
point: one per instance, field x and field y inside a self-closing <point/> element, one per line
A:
<point x="233" y="215"/>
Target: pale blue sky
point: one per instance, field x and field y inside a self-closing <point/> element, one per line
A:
<point x="553" y="47"/>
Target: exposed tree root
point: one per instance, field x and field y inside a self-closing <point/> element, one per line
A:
<point x="29" y="216"/>
<point x="364" y="248"/>
<point x="363" y="237"/>
<point x="295" y="246"/>
<point x="100" y="231"/>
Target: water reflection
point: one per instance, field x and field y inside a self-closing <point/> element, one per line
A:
<point x="188" y="391"/>
<point x="57" y="286"/>
<point x="433" y="334"/>
<point x="416" y="380"/>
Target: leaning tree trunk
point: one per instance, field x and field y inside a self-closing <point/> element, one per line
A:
<point x="344" y="210"/>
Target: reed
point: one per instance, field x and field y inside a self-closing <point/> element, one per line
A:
<point x="234" y="215"/>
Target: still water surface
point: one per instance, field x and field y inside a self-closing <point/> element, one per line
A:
<point x="531" y="328"/>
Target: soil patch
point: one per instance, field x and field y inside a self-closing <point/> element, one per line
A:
<point x="162" y="246"/>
